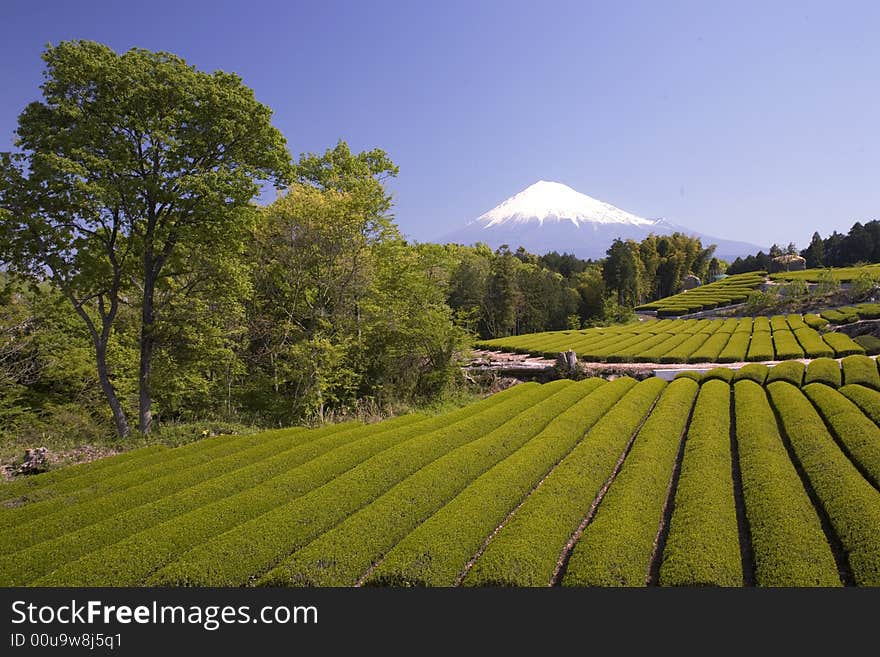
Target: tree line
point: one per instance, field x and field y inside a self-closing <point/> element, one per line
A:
<point x="860" y="244"/>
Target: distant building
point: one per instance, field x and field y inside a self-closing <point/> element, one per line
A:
<point x="787" y="263"/>
<point x="690" y="281"/>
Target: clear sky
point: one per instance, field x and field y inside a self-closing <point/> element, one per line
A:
<point x="757" y="121"/>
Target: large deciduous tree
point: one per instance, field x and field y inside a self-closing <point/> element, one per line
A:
<point x="128" y="162"/>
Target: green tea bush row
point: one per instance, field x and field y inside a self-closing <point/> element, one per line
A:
<point x="703" y="543"/>
<point x="789" y="545"/>
<point x="866" y="399"/>
<point x="113" y="549"/>
<point x="526" y="550"/>
<point x="45" y="502"/>
<point x="438" y="551"/>
<point x="736" y="348"/>
<point x="616" y="547"/>
<point x="870" y="343"/>
<point x="130" y="561"/>
<point x="791" y="371"/>
<point x="786" y="346"/>
<point x="254" y="547"/>
<point x="851" y="503"/>
<point x="859" y="436"/>
<point x="843" y="345"/>
<point x="813" y="344"/>
<point x="340" y="556"/>
<point x="444" y="543"/>
<point x="60" y="520"/>
<point x="860" y="370"/>
<point x="760" y="347"/>
<point x="83" y="474"/>
<point x="681" y="353"/>
<point x="710" y="349"/>
<point x="756" y="372"/>
<point x="823" y="370"/>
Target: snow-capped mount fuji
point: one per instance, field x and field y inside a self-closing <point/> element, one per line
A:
<point x="550" y="216"/>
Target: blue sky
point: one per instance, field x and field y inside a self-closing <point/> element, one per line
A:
<point x="748" y="120"/>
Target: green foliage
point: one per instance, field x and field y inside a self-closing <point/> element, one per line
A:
<point x="860" y="370"/>
<point x="437" y="552"/>
<point x="756" y="372"/>
<point x="787" y="539"/>
<point x="823" y="370"/>
<point x="256" y="545"/>
<point x="760" y="346"/>
<point x="866" y="399"/>
<point x="858" y="435"/>
<point x="118" y="178"/>
<point x="616" y="547"/>
<point x="813" y="344"/>
<point x="791" y="372"/>
<point x="204" y="514"/>
<point x="703" y="543"/>
<point x="842" y="344"/>
<point x="851" y="502"/>
<point x="525" y="552"/>
<point x="340" y="556"/>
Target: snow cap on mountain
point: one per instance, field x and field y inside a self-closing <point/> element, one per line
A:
<point x="555" y="202"/>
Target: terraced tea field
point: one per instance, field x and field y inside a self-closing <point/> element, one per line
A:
<point x="769" y="480"/>
<point x="689" y="341"/>
<point x="731" y="290"/>
<point x="839" y="274"/>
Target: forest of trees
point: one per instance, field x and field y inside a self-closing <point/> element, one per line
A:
<point x="860" y="244"/>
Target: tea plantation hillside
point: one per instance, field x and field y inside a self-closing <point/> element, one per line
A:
<point x="766" y="479"/>
<point x="690" y="341"/>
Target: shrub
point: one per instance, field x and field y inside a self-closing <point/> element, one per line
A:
<point x="860" y="370"/>
<point x="736" y="349"/>
<point x="756" y="372"/>
<point x="870" y="343"/>
<point x="852" y="504"/>
<point x="526" y="550"/>
<point x="843" y="345"/>
<point x="866" y="399"/>
<point x="813" y="344"/>
<point x="719" y="374"/>
<point x="761" y="346"/>
<point x="710" y="349"/>
<point x="254" y="546"/>
<point x="703" y="542"/>
<point x="438" y="551"/>
<point x="858" y="434"/>
<point x="693" y="375"/>
<point x="120" y="548"/>
<point x="814" y="321"/>
<point x="786" y="346"/>
<point x="789" y="545"/>
<point x="791" y="371"/>
<point x="616" y="547"/>
<point x="340" y="556"/>
<point x="129" y="561"/>
<point x="823" y="370"/>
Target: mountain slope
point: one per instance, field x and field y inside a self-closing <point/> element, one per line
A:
<point x="550" y="216"/>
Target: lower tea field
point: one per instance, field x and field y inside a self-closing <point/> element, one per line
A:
<point x="687" y="341"/>
<point x="589" y="483"/>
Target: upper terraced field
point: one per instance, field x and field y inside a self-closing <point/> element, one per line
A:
<point x="568" y="483"/>
<point x="689" y="341"/>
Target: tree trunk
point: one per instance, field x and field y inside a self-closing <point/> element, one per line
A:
<point x="145" y="415"/>
<point x="119" y="418"/>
